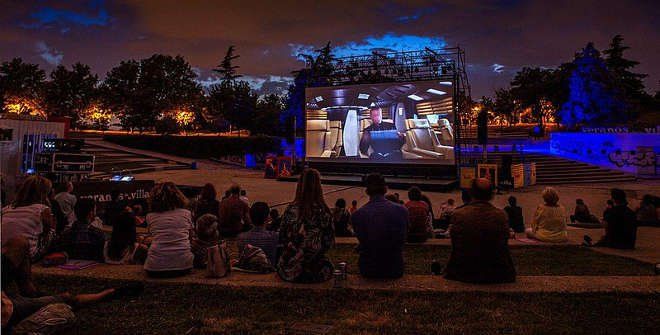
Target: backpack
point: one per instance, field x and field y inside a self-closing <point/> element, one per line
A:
<point x="218" y="264"/>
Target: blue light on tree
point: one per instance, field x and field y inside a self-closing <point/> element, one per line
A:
<point x="593" y="99"/>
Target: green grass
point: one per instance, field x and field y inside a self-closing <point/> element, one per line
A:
<point x="562" y="260"/>
<point x="173" y="309"/>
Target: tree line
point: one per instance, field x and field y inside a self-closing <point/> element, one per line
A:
<point x="156" y="93"/>
<point x="160" y="93"/>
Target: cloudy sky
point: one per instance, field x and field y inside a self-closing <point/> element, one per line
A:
<point x="499" y="36"/>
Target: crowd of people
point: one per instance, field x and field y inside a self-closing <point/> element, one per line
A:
<point x="231" y="233"/>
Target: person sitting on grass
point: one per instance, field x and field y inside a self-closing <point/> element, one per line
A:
<point x="446" y="210"/>
<point x="67" y="201"/>
<point x="206" y="236"/>
<point x="342" y="219"/>
<point x="275" y="220"/>
<point x="479" y="240"/>
<point x="307" y="233"/>
<point x="549" y="222"/>
<point x="515" y="215"/>
<point x="380" y="226"/>
<point x="234" y="214"/>
<point x="582" y="213"/>
<point x="207" y="203"/>
<point x="419" y="218"/>
<point x="621" y="229"/>
<point x="82" y="241"/>
<point x="259" y="236"/>
<point x="123" y="248"/>
<point x="170" y="226"/>
<point x="30" y="217"/>
<point x="353" y="207"/>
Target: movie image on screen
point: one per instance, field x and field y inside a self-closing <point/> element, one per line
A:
<point x="389" y="122"/>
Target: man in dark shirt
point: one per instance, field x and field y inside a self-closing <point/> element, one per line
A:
<point x="380" y="226"/>
<point x="234" y="214"/>
<point x="479" y="240"/>
<point x="382" y="149"/>
<point x="621" y="230"/>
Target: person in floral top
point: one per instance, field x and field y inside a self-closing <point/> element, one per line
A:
<point x="307" y="232"/>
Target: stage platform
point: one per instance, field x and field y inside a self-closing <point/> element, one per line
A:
<point x="437" y="185"/>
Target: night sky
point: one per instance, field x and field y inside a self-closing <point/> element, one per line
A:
<point x="499" y="36"/>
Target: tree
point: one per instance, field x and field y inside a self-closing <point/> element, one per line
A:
<point x="21" y="87"/>
<point x="531" y="86"/>
<point x="593" y="97"/>
<point x="232" y="102"/>
<point x="630" y="83"/>
<point x="226" y="68"/>
<point x="267" y="114"/>
<point x="71" y="92"/>
<point x="142" y="92"/>
<point x="317" y="73"/>
<point x="505" y="105"/>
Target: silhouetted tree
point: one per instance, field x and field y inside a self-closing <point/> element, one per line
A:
<point x="70" y="92"/>
<point x="531" y="86"/>
<point x="504" y="105"/>
<point x="227" y="69"/>
<point x="594" y="98"/>
<point x="21" y="83"/>
<point x="141" y="92"/>
<point x="267" y="115"/>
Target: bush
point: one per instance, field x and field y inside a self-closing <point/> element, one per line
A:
<point x="199" y="146"/>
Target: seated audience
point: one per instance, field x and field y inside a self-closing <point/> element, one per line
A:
<point x="234" y="214"/>
<point x="29" y="217"/>
<point x="259" y="236"/>
<point x="67" y="202"/>
<point x="610" y="205"/>
<point x="582" y="213"/>
<point x="380" y="226"/>
<point x="61" y="221"/>
<point x="207" y="236"/>
<point x="549" y="222"/>
<point x="244" y="197"/>
<point x="647" y="213"/>
<point x="621" y="229"/>
<point x="353" y="207"/>
<point x="466" y="197"/>
<point x="17" y="266"/>
<point x="138" y="212"/>
<point x="391" y="197"/>
<point x="419" y="218"/>
<point x="82" y="241"/>
<point x="307" y="233"/>
<point x="170" y="226"/>
<point x="479" y="240"/>
<point x="426" y="200"/>
<point x="114" y="208"/>
<point x="341" y="219"/>
<point x="274" y="220"/>
<point x="207" y="203"/>
<point x="123" y="247"/>
<point x="446" y="211"/>
<point x="515" y="215"/>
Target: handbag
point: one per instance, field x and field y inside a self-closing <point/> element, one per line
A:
<point x="218" y="264"/>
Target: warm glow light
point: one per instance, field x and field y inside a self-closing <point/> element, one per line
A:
<point x="184" y="117"/>
<point x="23" y="106"/>
<point x="95" y="115"/>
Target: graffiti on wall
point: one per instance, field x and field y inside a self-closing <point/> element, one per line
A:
<point x="632" y="158"/>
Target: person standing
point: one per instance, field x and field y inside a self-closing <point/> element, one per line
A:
<point x="381" y="227"/>
<point x="479" y="240"/>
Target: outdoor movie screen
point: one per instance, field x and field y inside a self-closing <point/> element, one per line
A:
<point x="410" y="122"/>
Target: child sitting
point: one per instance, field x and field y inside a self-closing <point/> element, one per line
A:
<point x="206" y="236"/>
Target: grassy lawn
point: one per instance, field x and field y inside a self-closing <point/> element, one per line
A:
<point x="173" y="309"/>
<point x="530" y="260"/>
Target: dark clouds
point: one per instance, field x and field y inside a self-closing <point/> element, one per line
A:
<point x="499" y="36"/>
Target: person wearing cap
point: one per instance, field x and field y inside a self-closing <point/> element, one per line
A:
<point x="380" y="226"/>
<point x="479" y="240"/>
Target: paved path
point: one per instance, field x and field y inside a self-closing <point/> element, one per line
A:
<point x="526" y="284"/>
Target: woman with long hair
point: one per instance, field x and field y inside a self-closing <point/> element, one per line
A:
<point x="123" y="248"/>
<point x="170" y="225"/>
<point x="307" y="232"/>
<point x="30" y="217"/>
